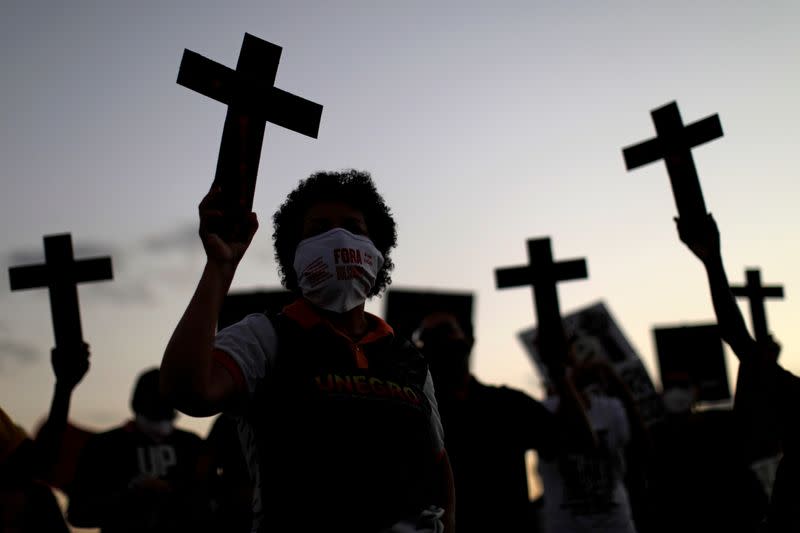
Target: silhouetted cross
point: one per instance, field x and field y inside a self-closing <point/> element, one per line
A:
<point x="60" y="273"/>
<point x="757" y="293"/>
<point x="673" y="143"/>
<point x="543" y="274"/>
<point x="252" y="101"/>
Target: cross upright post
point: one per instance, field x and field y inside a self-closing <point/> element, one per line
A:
<point x="756" y="294"/>
<point x="252" y="101"/>
<point x="542" y="273"/>
<point x="60" y="273"/>
<point x="673" y="143"/>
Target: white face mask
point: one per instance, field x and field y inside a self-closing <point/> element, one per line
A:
<point x="337" y="269"/>
<point x="156" y="429"/>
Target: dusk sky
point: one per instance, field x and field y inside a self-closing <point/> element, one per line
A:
<point x="483" y="125"/>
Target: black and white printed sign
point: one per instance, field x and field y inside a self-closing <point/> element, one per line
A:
<point x="596" y="335"/>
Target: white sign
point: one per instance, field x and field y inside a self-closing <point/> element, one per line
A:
<point x="595" y="335"/>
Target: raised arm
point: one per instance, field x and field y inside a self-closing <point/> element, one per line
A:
<point x="190" y="377"/>
<point x="576" y="430"/>
<point x="69" y="367"/>
<point x="615" y="387"/>
<point x="702" y="238"/>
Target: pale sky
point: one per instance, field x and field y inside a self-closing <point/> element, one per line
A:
<point x="483" y="124"/>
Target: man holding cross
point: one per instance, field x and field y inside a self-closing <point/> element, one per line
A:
<point x="542" y="274"/>
<point x="27" y="467"/>
<point x="488" y="429"/>
<point x="61" y="274"/>
<point x="337" y="415"/>
<point x="584" y="480"/>
<point x="778" y="389"/>
<point x="766" y="390"/>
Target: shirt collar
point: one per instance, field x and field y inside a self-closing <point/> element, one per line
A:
<point x="307" y="316"/>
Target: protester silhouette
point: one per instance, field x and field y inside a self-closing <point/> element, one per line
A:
<point x="700" y="482"/>
<point x="339" y="412"/>
<point x="597" y="377"/>
<point x="69" y="368"/>
<point x="27" y="502"/>
<point x="488" y="429"/>
<point x="585" y="487"/>
<point x="142" y="476"/>
<point x="773" y="392"/>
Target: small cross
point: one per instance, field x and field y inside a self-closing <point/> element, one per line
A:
<point x="542" y="273"/>
<point x="252" y="101"/>
<point x="757" y="293"/>
<point x="673" y="143"/>
<point x="60" y="273"/>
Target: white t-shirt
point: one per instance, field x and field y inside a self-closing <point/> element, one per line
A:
<point x="586" y="492"/>
<point x="252" y="345"/>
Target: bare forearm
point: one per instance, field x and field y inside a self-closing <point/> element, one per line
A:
<point x="59" y="408"/>
<point x="187" y="362"/>
<point x="50" y="437"/>
<point x="729" y="317"/>
<point x="572" y="414"/>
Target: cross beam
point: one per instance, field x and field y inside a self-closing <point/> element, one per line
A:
<point x="61" y="274"/>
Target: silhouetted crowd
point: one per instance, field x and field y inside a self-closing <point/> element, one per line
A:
<point x="332" y="419"/>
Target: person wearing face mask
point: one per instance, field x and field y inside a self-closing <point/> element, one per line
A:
<point x="488" y="430"/>
<point x="142" y="476"/>
<point x="336" y="414"/>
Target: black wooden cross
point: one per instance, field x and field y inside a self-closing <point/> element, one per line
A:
<point x="757" y="293"/>
<point x="60" y="273"/>
<point x="673" y="143"/>
<point x="543" y="274"/>
<point x="252" y="101"/>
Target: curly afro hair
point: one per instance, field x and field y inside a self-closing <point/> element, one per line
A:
<point x="352" y="187"/>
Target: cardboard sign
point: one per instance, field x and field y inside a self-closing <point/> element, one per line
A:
<point x="239" y="304"/>
<point x="694" y="353"/>
<point x="595" y="335"/>
<point x="404" y="309"/>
